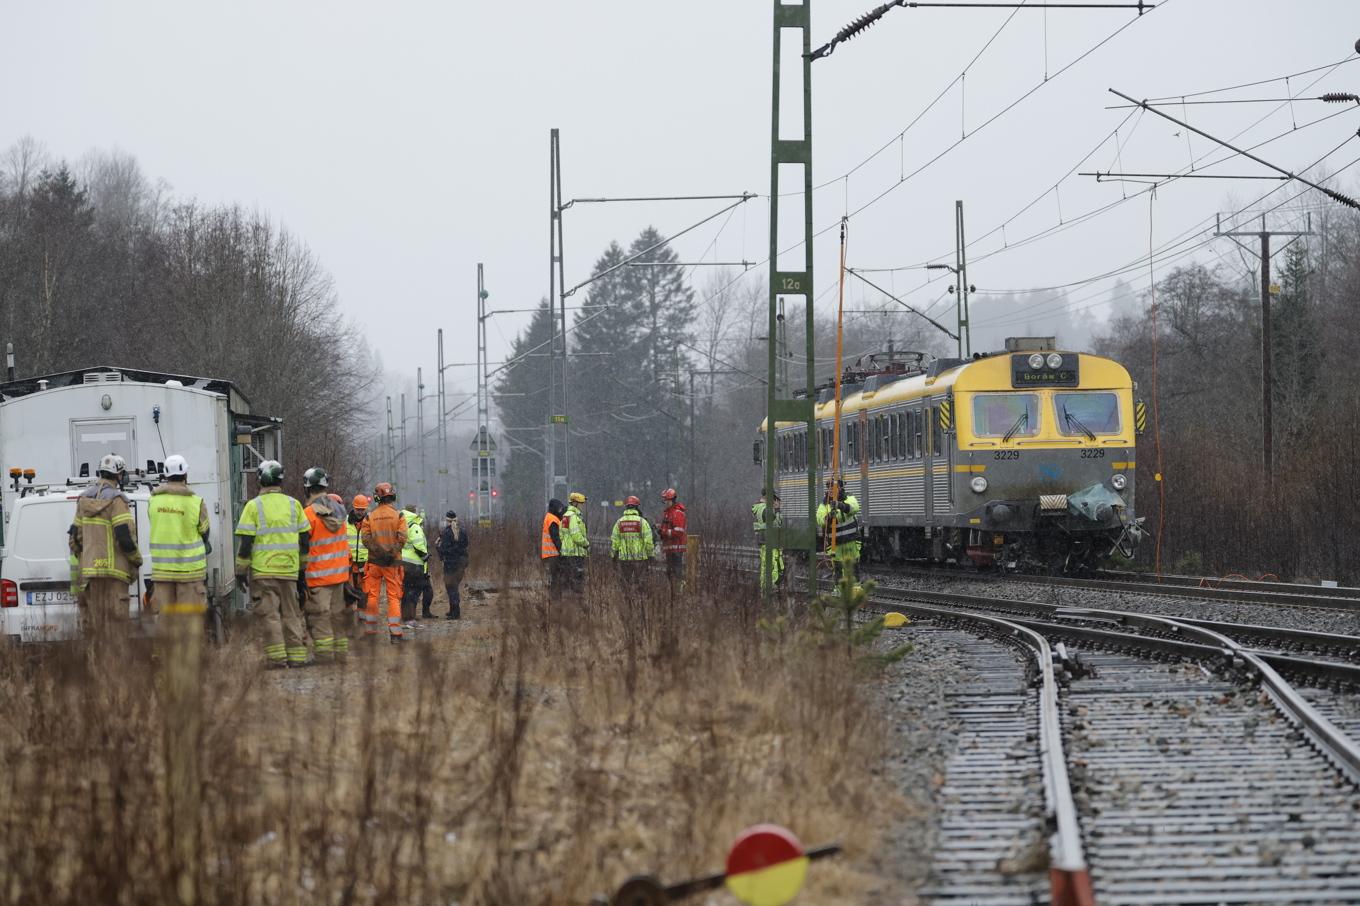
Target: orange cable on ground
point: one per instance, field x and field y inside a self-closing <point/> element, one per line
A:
<point x="1156" y="410"/>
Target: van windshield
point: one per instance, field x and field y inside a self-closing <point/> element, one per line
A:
<point x="1081" y="413"/>
<point x="1006" y="415"/>
<point x="39" y="529"/>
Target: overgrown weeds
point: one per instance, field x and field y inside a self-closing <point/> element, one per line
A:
<point x="539" y="753"/>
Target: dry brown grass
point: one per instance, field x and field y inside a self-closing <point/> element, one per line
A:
<point x="541" y="753"/>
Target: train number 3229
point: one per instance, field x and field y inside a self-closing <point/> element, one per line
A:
<point x="1092" y="454"/>
<point x="1006" y="454"/>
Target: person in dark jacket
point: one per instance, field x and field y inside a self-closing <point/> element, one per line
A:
<point x="550" y="545"/>
<point x="452" y="547"/>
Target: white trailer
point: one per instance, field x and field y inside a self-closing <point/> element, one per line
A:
<point x="55" y="428"/>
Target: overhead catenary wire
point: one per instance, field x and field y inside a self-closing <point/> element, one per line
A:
<point x="1331" y="193"/>
<point x="906" y="177"/>
<point x="1007" y="245"/>
<point x="647" y="251"/>
<point x="983" y="125"/>
<point x="1101" y="210"/>
<point x="1165" y="254"/>
<point x="1331" y="97"/>
<point x="868" y="20"/>
<point x="1281" y="78"/>
<point x="1172" y="249"/>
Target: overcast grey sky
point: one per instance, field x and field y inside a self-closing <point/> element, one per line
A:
<point x="405" y="141"/>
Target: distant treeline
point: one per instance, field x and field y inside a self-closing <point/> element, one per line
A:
<point x="99" y="265"/>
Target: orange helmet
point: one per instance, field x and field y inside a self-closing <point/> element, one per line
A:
<point x="384" y="489"/>
<point x="631" y="500"/>
<point x="668" y="494"/>
<point x="360" y="502"/>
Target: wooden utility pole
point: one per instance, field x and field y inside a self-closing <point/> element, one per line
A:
<point x="1267" y="378"/>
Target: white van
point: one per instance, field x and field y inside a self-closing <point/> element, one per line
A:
<point x="36" y="604"/>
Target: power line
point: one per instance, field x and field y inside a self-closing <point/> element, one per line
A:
<point x="1283" y="78"/>
<point x="1164" y="254"/>
<point x="1073" y="222"/>
<point x="1331" y="193"/>
<point x="996" y="116"/>
<point x="866" y="21"/>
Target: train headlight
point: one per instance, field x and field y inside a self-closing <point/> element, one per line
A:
<point x="978" y="484"/>
<point x="1054" y="360"/>
<point x="1036" y="361"/>
<point x="1119" y="482"/>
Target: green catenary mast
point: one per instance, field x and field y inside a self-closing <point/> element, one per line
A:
<point x="791" y="23"/>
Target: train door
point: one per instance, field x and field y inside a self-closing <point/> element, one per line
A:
<point x="866" y="451"/>
<point x="928" y="428"/>
<point x="942" y="465"/>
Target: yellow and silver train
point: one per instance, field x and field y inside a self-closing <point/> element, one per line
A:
<point x="1022" y="458"/>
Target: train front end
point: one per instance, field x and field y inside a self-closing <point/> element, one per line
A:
<point x="1044" y="468"/>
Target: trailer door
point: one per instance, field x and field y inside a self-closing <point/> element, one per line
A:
<point x="93" y="438"/>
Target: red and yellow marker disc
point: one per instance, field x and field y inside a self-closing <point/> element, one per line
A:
<point x="766" y="866"/>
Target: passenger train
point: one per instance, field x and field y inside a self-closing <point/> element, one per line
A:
<point x="1018" y="459"/>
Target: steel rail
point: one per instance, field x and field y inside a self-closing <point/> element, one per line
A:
<point x="1238" y="591"/>
<point x="1171" y="627"/>
<point x="1327" y="597"/>
<point x="1342" y="751"/>
<point x="1239" y="584"/>
<point x="1069" y="875"/>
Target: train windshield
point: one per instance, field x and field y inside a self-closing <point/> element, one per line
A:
<point x="1087" y="414"/>
<point x="1006" y="415"/>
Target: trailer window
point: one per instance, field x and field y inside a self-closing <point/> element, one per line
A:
<point x="1000" y="414"/>
<point x="1094" y="412"/>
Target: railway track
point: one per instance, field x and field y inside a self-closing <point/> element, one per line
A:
<point x="1327" y="657"/>
<point x="1240" y="591"/>
<point x="1347" y="599"/>
<point x="1192" y="785"/>
<point x="1198" y="773"/>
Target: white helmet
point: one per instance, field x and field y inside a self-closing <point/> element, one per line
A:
<point x="176" y="466"/>
<point x="111" y="463"/>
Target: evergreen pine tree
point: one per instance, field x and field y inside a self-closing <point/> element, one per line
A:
<point x="521" y="398"/>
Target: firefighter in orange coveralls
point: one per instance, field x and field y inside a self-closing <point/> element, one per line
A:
<point x="384" y="535"/>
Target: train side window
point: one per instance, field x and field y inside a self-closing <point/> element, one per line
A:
<point x="929" y="431"/>
<point x="918" y="448"/>
<point x="894" y="435"/>
<point x="875" y="431"/>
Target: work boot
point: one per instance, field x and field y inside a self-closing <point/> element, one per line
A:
<point x="425" y="613"/>
<point x="455" y="612"/>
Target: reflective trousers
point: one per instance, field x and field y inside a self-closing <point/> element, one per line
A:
<point x="328" y="621"/>
<point x="276" y="609"/>
<point x="382" y="583"/>
<point x="846" y="556"/>
<point x="573" y="573"/>
<point x="771" y="565"/>
<point x="106" y="604"/>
